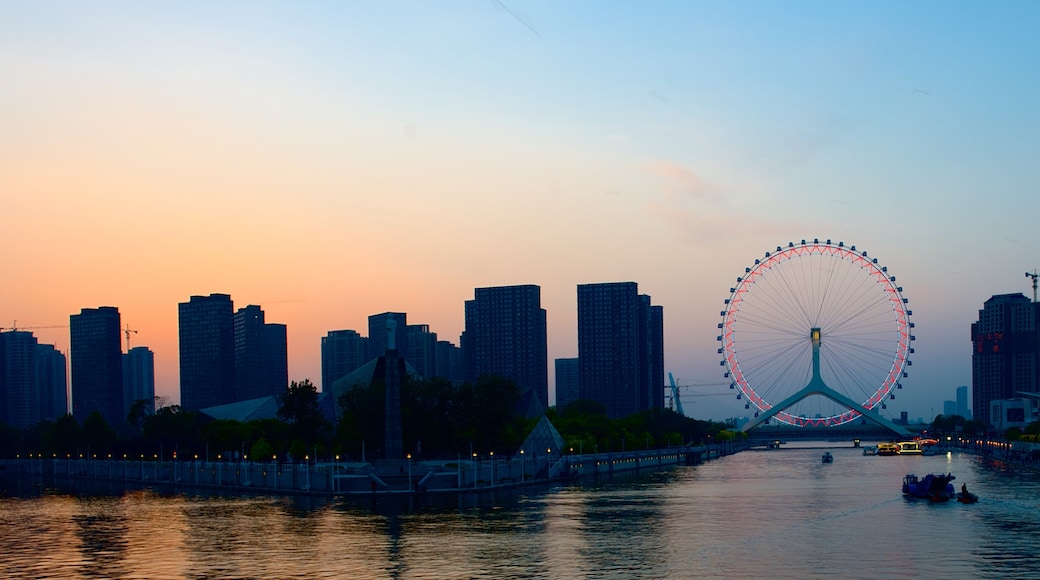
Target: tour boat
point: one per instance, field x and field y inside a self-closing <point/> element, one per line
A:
<point x="887" y="449"/>
<point x="931" y="487"/>
<point x="910" y="448"/>
<point x="828" y="458"/>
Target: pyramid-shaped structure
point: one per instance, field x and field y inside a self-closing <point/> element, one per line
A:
<point x="542" y="438"/>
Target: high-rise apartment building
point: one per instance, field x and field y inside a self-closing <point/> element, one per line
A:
<point x="379" y="328"/>
<point x="52" y="382"/>
<point x="139" y="379"/>
<point x="449" y="362"/>
<point x="962" y="402"/>
<point x="207" y="351"/>
<point x="19" y="399"/>
<point x="1004" y="357"/>
<point x="620" y="348"/>
<point x="420" y="349"/>
<point x="33" y="381"/>
<point x="97" y="364"/>
<point x="566" y="382"/>
<point x="261" y="355"/>
<point x="342" y="352"/>
<point x="505" y="335"/>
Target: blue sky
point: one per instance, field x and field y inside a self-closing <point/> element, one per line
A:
<point x="332" y="160"/>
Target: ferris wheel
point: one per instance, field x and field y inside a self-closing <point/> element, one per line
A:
<point x="816" y="334"/>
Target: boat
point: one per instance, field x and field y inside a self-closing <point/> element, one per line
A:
<point x="967" y="497"/>
<point x="910" y="448"/>
<point x="887" y="449"/>
<point x="933" y="487"/>
<point x="828" y="458"/>
<point x="870" y="450"/>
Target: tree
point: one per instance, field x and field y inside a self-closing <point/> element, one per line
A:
<point x="299" y="407"/>
<point x="98" y="437"/>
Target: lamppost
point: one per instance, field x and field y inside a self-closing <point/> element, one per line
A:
<point x="492" y="455"/>
<point x="409" y="473"/>
<point x="523" y="470"/>
<point x="474" y="464"/>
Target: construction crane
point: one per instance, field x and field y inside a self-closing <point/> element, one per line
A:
<point x="127" y="331"/>
<point x="673" y="392"/>
<point x="1034" y="276"/>
<point x="14" y="326"/>
<point x="675" y="396"/>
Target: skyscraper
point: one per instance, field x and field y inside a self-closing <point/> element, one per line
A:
<point x="378" y="333"/>
<point x="1004" y="357"/>
<point x="566" y="382"/>
<point x="139" y="379"/>
<point x="962" y="402"/>
<point x="52" y="382"/>
<point x="261" y="358"/>
<point x="97" y="364"/>
<point x="449" y="362"/>
<point x="19" y="400"/>
<point x="342" y="352"/>
<point x="207" y="351"/>
<point x="505" y="335"/>
<point x="420" y="348"/>
<point x="620" y="348"/>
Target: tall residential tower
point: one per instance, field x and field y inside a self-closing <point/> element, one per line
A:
<point x="620" y="348"/>
<point x="505" y="335"/>
<point x="207" y="351"/>
<point x="97" y="364"/>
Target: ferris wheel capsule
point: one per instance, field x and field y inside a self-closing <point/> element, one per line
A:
<point x="853" y="358"/>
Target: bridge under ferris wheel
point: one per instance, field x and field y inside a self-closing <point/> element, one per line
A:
<point x="817" y="386"/>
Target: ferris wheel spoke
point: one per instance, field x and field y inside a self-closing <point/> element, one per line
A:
<point x="779" y="302"/>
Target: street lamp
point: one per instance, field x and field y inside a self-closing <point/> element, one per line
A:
<point x="523" y="471"/>
<point x="409" y="473"/>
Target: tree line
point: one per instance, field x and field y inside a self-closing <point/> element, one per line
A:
<point x="439" y="419"/>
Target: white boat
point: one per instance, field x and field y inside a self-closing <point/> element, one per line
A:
<point x="870" y="450"/>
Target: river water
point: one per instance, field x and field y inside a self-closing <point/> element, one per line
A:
<point x="756" y="514"/>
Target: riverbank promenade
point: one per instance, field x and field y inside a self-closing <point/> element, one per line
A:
<point x="406" y="476"/>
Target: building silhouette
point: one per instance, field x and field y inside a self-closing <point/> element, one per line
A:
<point x="505" y="335"/>
<point x="261" y="355"/>
<point x="420" y="349"/>
<point x="207" y="351"/>
<point x="566" y="382"/>
<point x="342" y="352"/>
<point x="450" y="363"/>
<point x="377" y="333"/>
<point x="962" y="402"/>
<point x="52" y="382"/>
<point x="97" y="364"/>
<point x="139" y="379"/>
<point x="1004" y="355"/>
<point x="33" y="381"/>
<point x="620" y="348"/>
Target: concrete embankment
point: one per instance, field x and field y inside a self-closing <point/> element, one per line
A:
<point x="404" y="476"/>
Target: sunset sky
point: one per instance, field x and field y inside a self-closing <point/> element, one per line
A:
<point x="333" y="160"/>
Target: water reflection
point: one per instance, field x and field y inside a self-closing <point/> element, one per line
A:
<point x="756" y="514"/>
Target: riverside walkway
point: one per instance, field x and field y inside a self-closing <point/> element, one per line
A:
<point x="405" y="476"/>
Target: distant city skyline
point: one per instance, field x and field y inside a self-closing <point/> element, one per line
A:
<point x="333" y="160"/>
<point x="961" y="393"/>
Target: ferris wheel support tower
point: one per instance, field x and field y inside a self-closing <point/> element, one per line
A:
<point x="816" y="386"/>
